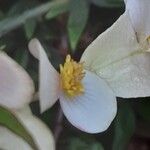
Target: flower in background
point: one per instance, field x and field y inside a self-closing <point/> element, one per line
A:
<point x="115" y="64"/>
<point x="38" y="131"/>
<point x="139" y="11"/>
<point x="16" y="92"/>
<point x="16" y="86"/>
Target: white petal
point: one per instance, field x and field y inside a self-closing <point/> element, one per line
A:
<point x="139" y="11"/>
<point x="16" y="87"/>
<point x="10" y="141"/>
<point x="94" y="110"/>
<point x="39" y="132"/>
<point x="49" y="78"/>
<point x="117" y="57"/>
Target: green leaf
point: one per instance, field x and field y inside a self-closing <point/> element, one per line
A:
<point x="96" y="146"/>
<point x="1" y="15"/>
<point x="77" y="144"/>
<point x="108" y="3"/>
<point x="20" y="6"/>
<point x="124" y="127"/>
<point x="9" y="120"/>
<point x="79" y="10"/>
<point x="144" y="110"/>
<point x="11" y="23"/>
<point x="82" y="144"/>
<point x="22" y="57"/>
<point x="59" y="9"/>
<point x="29" y="28"/>
<point x="2" y="47"/>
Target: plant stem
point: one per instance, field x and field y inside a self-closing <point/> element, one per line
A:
<point x="58" y="127"/>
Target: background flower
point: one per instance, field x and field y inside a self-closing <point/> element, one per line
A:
<point x="138" y="11"/>
<point x="38" y="130"/>
<point x="16" y="86"/>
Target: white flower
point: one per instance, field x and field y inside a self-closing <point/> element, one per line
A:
<point x="86" y="100"/>
<point x="16" y="86"/>
<point x="120" y="59"/>
<point x="115" y="61"/>
<point x="139" y="11"/>
<point x="41" y="135"/>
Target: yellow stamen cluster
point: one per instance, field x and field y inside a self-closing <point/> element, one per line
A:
<point x="148" y="46"/>
<point x="71" y="75"/>
<point x="148" y="39"/>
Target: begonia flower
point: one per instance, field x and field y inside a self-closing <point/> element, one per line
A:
<point x="86" y="100"/>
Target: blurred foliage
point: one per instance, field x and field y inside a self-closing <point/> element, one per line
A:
<point x="144" y="110"/>
<point x="124" y="127"/>
<point x="108" y="3"/>
<point x="84" y="144"/>
<point x="9" y="120"/>
<point x="77" y="24"/>
<point x="22" y="13"/>
<point x="69" y="26"/>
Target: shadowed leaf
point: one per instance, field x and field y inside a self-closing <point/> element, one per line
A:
<point x="77" y="20"/>
<point x="124" y="127"/>
<point x="11" y="23"/>
<point x="59" y="9"/>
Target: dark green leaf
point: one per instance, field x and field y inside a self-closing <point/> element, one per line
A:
<point x="21" y="6"/>
<point x="1" y="15"/>
<point x="96" y="146"/>
<point x="108" y="3"/>
<point x="124" y="127"/>
<point x="22" y="57"/>
<point x="82" y="144"/>
<point x="9" y="120"/>
<point x="2" y="47"/>
<point x="29" y="27"/>
<point x="59" y="9"/>
<point x="79" y="10"/>
<point x="77" y="144"/>
<point x="144" y="110"/>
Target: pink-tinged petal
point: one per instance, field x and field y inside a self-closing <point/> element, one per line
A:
<point x="139" y="11"/>
<point x="117" y="57"/>
<point x="48" y="76"/>
<point x="15" y="142"/>
<point x="16" y="86"/>
<point x="95" y="109"/>
<point x="40" y="133"/>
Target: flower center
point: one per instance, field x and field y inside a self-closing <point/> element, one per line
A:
<point x="148" y="39"/>
<point x="147" y="45"/>
<point x="71" y="75"/>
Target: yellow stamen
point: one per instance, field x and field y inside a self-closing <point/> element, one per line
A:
<point x="71" y="76"/>
<point x="148" y="39"/>
<point x="148" y="47"/>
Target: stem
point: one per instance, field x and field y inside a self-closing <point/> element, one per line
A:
<point x="58" y="128"/>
